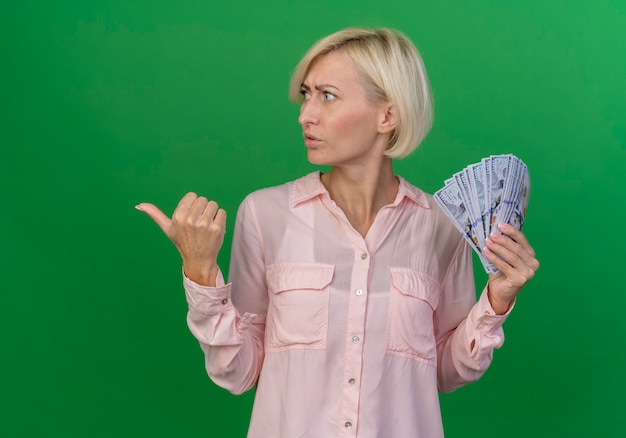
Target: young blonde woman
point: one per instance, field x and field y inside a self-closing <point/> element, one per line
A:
<point x="351" y="299"/>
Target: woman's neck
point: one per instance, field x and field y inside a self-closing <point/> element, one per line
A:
<point x="360" y="192"/>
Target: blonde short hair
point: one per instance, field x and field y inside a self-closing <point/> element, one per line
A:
<point x="393" y="71"/>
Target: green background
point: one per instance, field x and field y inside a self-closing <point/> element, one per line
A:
<point x="105" y="104"/>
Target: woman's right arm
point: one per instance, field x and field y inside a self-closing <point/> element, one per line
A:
<point x="232" y="342"/>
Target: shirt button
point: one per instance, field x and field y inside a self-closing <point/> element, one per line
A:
<point x="351" y="381"/>
<point x="225" y="300"/>
<point x="348" y="425"/>
<point x="359" y="292"/>
<point x="363" y="256"/>
<point x="355" y="339"/>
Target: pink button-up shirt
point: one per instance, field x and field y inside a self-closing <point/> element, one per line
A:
<point x="345" y="336"/>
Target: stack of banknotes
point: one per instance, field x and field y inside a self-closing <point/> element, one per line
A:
<point x="483" y="195"/>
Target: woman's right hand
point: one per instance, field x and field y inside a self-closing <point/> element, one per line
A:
<point x="197" y="230"/>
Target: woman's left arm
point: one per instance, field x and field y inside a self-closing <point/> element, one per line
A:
<point x="467" y="331"/>
<point x="511" y="253"/>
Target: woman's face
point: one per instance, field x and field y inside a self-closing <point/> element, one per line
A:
<point x="340" y="125"/>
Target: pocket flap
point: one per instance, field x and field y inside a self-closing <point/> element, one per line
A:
<point x="417" y="285"/>
<point x="289" y="276"/>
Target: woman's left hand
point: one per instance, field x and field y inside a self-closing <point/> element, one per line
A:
<point x="515" y="259"/>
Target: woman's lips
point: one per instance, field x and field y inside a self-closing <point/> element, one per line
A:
<point x="310" y="141"/>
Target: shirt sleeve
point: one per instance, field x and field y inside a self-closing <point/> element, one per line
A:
<point x="467" y="331"/>
<point x="228" y="323"/>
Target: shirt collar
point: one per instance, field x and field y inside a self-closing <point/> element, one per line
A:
<point x="310" y="186"/>
<point x="413" y="193"/>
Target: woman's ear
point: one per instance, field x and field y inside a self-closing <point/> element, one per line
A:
<point x="388" y="120"/>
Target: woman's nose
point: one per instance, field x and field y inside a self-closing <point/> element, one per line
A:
<point x="308" y="113"/>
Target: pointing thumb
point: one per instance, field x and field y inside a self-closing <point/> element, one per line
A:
<point x="157" y="215"/>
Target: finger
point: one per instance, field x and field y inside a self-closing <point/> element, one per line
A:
<point x="518" y="267"/>
<point x="220" y="219"/>
<point x="197" y="209"/>
<point x="516" y="243"/>
<point x="184" y="212"/>
<point x="182" y="209"/>
<point x="501" y="252"/>
<point x="512" y="274"/>
<point x="210" y="209"/>
<point x="508" y="250"/>
<point x="157" y="215"/>
<point x="517" y="236"/>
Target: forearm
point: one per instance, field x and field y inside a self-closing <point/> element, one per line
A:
<point x="232" y="343"/>
<point x="201" y="273"/>
<point x="467" y="351"/>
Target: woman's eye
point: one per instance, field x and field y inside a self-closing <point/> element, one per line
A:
<point x="305" y="94"/>
<point x="329" y="96"/>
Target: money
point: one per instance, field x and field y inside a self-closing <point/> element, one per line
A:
<point x="483" y="195"/>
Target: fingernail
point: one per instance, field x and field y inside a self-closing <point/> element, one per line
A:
<point x="138" y="207"/>
<point x="495" y="235"/>
<point x="503" y="227"/>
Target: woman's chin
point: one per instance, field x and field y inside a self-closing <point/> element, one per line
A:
<point x="314" y="158"/>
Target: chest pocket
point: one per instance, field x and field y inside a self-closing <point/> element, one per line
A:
<point x="297" y="316"/>
<point x="410" y="328"/>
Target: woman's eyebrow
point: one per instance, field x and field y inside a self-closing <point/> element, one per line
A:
<point x="319" y="87"/>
